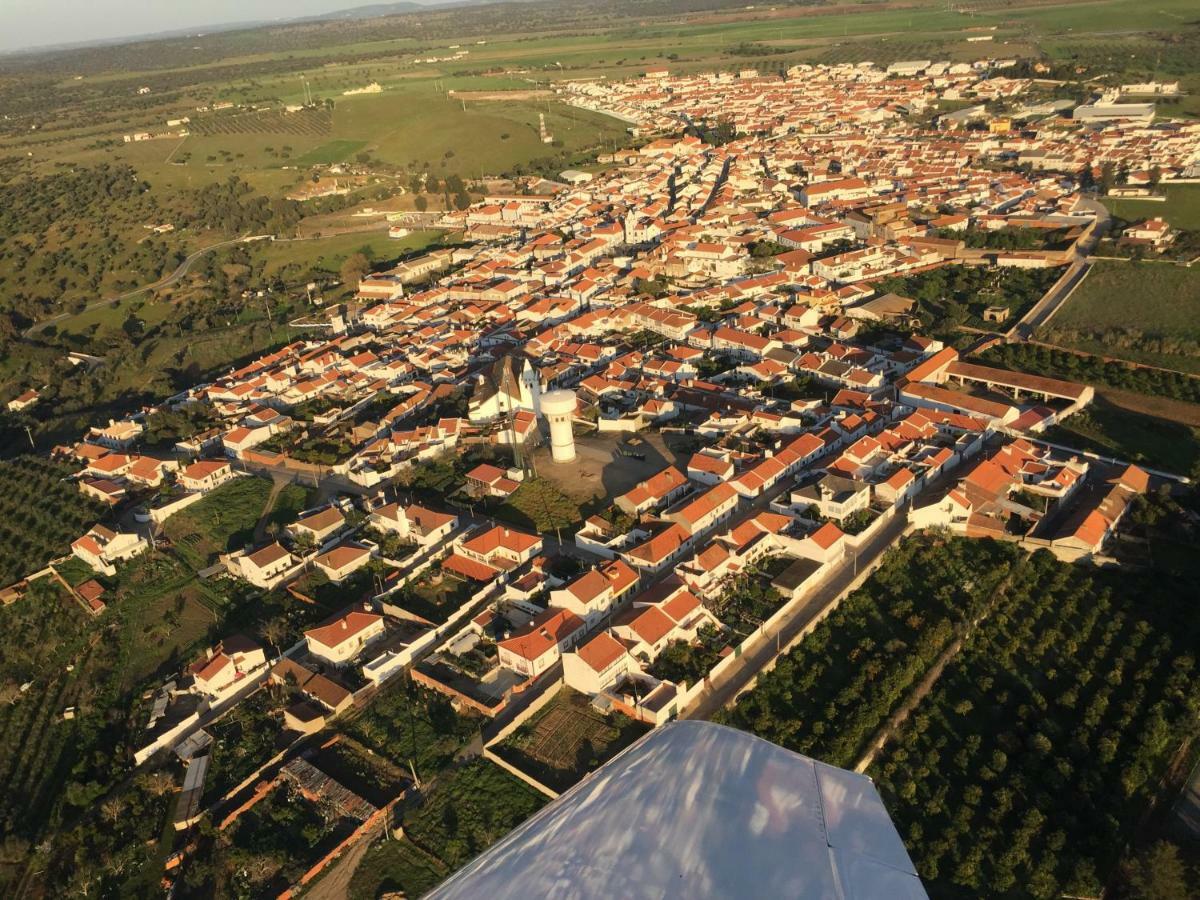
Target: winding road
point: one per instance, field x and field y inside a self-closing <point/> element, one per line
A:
<point x="180" y="271"/>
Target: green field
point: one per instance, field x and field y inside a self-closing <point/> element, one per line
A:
<point x="1144" y="312"/>
<point x="333" y="152"/>
<point x="329" y="253"/>
<point x="225" y="519"/>
<point x="1181" y="208"/>
<point x="1119" y="433"/>
<point x="420" y="124"/>
<point x="415" y="123"/>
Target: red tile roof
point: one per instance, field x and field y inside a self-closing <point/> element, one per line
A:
<point x="545" y="632"/>
<point x="342" y="628"/>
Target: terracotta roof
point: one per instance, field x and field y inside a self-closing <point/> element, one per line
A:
<point x="486" y="473"/>
<point x="342" y="555"/>
<point x="588" y="586"/>
<point x="545" y="632"/>
<point x="90" y="590"/>
<point x="656" y="487"/>
<point x="650" y="624"/>
<point x="705" y="504"/>
<point x="209" y="669"/>
<point x="827" y="535"/>
<point x="468" y="568"/>
<point x="204" y="468"/>
<point x="268" y="554"/>
<point x="427" y="520"/>
<point x="343" y="628"/>
<point x="320" y="521"/>
<point x="662" y="545"/>
<point x="681" y="605"/>
<point x="704" y="462"/>
<point x="601" y="651"/>
<point x="500" y="537"/>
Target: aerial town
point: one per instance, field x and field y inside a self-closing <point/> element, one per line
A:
<point x="533" y="464"/>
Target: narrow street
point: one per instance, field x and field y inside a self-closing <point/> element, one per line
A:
<point x="1053" y="299"/>
<point x="778" y="641"/>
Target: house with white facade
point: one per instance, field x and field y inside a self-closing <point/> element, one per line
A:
<point x="342" y="639"/>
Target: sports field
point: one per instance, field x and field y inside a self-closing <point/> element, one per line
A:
<point x="330" y="252"/>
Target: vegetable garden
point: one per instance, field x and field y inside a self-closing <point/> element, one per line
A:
<point x="469" y="809"/>
<point x="568" y="739"/>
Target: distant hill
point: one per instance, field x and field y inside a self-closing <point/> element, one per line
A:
<point x="349" y="14"/>
<point x="378" y="10"/>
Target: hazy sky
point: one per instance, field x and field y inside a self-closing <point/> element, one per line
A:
<point x="34" y="23"/>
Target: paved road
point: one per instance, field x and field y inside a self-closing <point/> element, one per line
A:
<point x="772" y="643"/>
<point x="180" y="271"/>
<point x="1046" y="307"/>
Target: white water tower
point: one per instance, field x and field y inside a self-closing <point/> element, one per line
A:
<point x="559" y="409"/>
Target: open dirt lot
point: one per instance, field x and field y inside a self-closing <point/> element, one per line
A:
<point x="1164" y="407"/>
<point x="599" y="471"/>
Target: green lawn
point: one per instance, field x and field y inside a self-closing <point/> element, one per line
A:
<point x="329" y="253"/>
<point x="1181" y="208"/>
<point x="1144" y="312"/>
<point x="333" y="152"/>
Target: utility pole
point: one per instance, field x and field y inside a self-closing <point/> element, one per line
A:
<point x="29" y="434"/>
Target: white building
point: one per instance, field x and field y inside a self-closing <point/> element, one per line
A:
<point x="341" y="640"/>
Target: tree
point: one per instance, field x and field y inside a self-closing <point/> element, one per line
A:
<point x="1087" y="180"/>
<point x="1158" y="874"/>
<point x="354" y="268"/>
<point x="1108" y="176"/>
<point x="274" y="630"/>
<point x="421" y="202"/>
<point x="111" y="809"/>
<point x="158" y="784"/>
